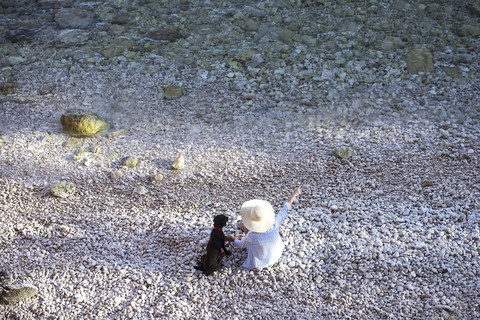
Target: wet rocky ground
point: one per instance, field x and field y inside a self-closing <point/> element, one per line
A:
<point x="258" y="97"/>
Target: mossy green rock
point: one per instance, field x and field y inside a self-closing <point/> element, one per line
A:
<point x="82" y="123"/>
<point x="130" y="162"/>
<point x="63" y="189"/>
<point x="419" y="61"/>
<point x="172" y="92"/>
<point x="11" y="294"/>
<point x="345" y="153"/>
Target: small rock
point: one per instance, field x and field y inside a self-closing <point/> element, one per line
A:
<point x="474" y="8"/>
<point x="121" y="18"/>
<point x="129" y="162"/>
<point x="156" y="177"/>
<point x="345" y="153"/>
<point x="118" y="133"/>
<point x="449" y="313"/>
<point x="63" y="189"/>
<point x="72" y="36"/>
<point x="164" y="34"/>
<point x="444" y="134"/>
<point x="73" y="18"/>
<point x="179" y="162"/>
<point x="419" y="61"/>
<point x="399" y="4"/>
<point x="21" y="33"/>
<point x="82" y="123"/>
<point x="250" y="25"/>
<point x="469" y="31"/>
<point x="81" y="155"/>
<point x="172" y="92"/>
<point x="140" y="190"/>
<point x="285" y="35"/>
<point x="11" y="294"/>
<point x="47" y="89"/>
<point x="244" y="55"/>
<point x="5" y="278"/>
<point x="7" y="88"/>
<point x="390" y="43"/>
<point x="427" y="183"/>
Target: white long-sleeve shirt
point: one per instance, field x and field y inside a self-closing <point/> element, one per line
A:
<point x="264" y="249"/>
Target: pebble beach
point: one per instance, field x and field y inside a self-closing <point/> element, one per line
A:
<point x="371" y="106"/>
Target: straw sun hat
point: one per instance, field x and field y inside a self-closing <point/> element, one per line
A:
<point x="257" y="215"/>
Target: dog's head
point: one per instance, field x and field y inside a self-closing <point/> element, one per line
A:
<point x="220" y="221"/>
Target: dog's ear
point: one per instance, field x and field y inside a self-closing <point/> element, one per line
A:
<point x="224" y="220"/>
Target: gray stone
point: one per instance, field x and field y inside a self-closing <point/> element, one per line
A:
<point x="164" y="34"/>
<point x="244" y="55"/>
<point x="72" y="36"/>
<point x="10" y="294"/>
<point x="345" y="153"/>
<point x="475" y="8"/>
<point x="73" y="18"/>
<point x="13" y="60"/>
<point x="5" y="278"/>
<point x="390" y="43"/>
<point x="469" y="31"/>
<point x="250" y="25"/>
<point x="63" y="189"/>
<point x="285" y="35"/>
<point x="399" y="4"/>
<point x="117" y="47"/>
<point x="156" y="177"/>
<point x="7" y="88"/>
<point x="419" y="61"/>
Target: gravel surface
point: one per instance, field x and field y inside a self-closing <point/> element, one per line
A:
<point x="266" y="94"/>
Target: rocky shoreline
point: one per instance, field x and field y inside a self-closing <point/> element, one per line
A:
<point x="371" y="106"/>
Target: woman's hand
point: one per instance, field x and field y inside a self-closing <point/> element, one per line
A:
<point x="229" y="238"/>
<point x="295" y="193"/>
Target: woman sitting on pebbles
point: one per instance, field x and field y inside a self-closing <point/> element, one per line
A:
<point x="261" y="226"/>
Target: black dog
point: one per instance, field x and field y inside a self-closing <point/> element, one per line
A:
<point x="212" y="260"/>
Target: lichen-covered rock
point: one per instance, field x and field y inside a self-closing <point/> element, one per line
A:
<point x="10" y="294"/>
<point x="82" y="123"/>
<point x="419" y="61"/>
<point x="179" y="162"/>
<point x="7" y="88"/>
<point x="345" y="153"/>
<point x="129" y="162"/>
<point x="63" y="189"/>
<point x="172" y="92"/>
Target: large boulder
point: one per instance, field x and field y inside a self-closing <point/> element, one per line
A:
<point x="82" y="123"/>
